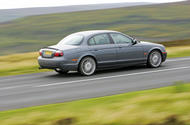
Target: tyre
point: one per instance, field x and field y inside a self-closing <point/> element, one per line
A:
<point x="61" y="71"/>
<point x="154" y="59"/>
<point x="87" y="66"/>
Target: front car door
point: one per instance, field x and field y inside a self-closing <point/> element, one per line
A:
<point x="126" y="50"/>
<point x="103" y="48"/>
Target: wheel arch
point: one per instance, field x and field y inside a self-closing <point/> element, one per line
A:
<point x="87" y="55"/>
<point x="155" y="49"/>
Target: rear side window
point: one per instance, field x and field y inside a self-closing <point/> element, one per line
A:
<point x="73" y="39"/>
<point x="99" y="40"/>
<point x="120" y="39"/>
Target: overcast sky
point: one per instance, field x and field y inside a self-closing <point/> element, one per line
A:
<point x="7" y="4"/>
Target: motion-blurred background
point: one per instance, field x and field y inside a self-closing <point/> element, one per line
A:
<point x="27" y="30"/>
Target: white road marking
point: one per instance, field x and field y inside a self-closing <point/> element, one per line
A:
<point x="13" y="87"/>
<point x="175" y="60"/>
<point x="108" y="77"/>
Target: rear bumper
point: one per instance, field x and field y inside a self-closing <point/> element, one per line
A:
<point x="53" y="63"/>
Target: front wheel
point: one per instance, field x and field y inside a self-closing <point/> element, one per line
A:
<point x="154" y="59"/>
<point x="61" y="71"/>
<point x="87" y="66"/>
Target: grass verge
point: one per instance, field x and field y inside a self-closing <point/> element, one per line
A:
<point x="16" y="64"/>
<point x="27" y="62"/>
<point x="179" y="51"/>
<point x="170" y="107"/>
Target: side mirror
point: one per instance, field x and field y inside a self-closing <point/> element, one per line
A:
<point x="134" y="41"/>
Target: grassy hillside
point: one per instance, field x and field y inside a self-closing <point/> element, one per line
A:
<point x="170" y="107"/>
<point x="152" y="22"/>
<point x="11" y="14"/>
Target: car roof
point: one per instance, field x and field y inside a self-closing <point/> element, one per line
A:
<point x="93" y="32"/>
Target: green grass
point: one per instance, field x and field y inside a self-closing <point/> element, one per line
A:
<point x="153" y="22"/>
<point x="181" y="51"/>
<point x="27" y="62"/>
<point x="19" y="64"/>
<point x="170" y="107"/>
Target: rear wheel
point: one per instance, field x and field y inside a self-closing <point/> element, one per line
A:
<point x="87" y="66"/>
<point x="60" y="71"/>
<point x="154" y="59"/>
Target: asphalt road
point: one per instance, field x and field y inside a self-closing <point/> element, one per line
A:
<point x="49" y="87"/>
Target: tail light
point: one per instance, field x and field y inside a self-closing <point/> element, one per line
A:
<point x="58" y="53"/>
<point x="40" y="52"/>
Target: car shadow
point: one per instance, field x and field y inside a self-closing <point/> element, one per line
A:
<point x="99" y="72"/>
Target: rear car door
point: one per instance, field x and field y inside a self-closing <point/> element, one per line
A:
<point x="126" y="50"/>
<point x="103" y="48"/>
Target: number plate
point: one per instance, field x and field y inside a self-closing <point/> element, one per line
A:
<point x="49" y="53"/>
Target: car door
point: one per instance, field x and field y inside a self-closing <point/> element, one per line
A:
<point x="126" y="50"/>
<point x="103" y="48"/>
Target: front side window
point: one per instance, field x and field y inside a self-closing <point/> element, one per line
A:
<point x="91" y="41"/>
<point x="71" y="40"/>
<point x="120" y="39"/>
<point x="99" y="40"/>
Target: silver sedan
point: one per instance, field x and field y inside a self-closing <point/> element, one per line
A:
<point x="88" y="51"/>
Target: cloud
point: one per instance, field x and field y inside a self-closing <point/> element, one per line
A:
<point x="5" y="4"/>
